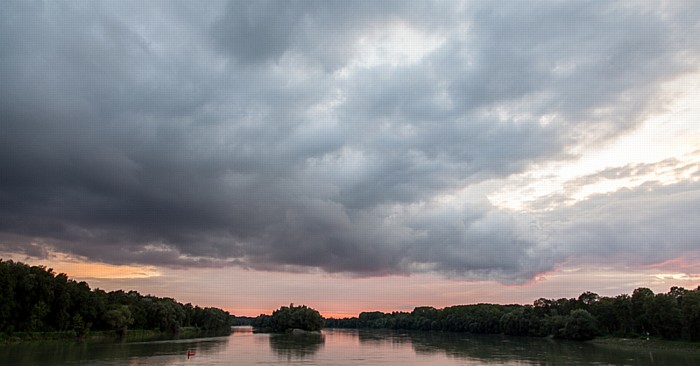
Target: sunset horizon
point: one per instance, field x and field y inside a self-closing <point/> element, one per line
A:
<point x="488" y="292"/>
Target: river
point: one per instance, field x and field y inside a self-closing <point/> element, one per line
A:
<point x="337" y="347"/>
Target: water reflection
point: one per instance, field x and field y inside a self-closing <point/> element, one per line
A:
<point x="470" y="349"/>
<point x="296" y="346"/>
<point x="241" y="331"/>
<point x="498" y="349"/>
<point x="341" y="348"/>
<point x="384" y="338"/>
<point x="536" y="351"/>
<point x="60" y="353"/>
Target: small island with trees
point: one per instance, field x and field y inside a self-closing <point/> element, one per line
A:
<point x="292" y="319"/>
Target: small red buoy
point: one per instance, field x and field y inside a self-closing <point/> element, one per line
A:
<point x="190" y="354"/>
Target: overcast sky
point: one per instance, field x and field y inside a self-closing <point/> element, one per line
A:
<point x="530" y="146"/>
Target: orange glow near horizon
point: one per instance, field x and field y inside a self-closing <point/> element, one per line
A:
<point x="82" y="269"/>
<point x="106" y="271"/>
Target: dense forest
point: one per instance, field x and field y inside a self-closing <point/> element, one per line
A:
<point x="674" y="316"/>
<point x="35" y="299"/>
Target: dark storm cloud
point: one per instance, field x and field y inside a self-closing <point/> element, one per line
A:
<point x="248" y="133"/>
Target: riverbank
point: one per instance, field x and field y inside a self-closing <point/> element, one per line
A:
<point x="644" y="344"/>
<point x="132" y="335"/>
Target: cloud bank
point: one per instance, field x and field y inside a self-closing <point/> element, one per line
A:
<point x="345" y="137"/>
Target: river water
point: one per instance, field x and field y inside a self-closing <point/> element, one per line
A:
<point x="338" y="347"/>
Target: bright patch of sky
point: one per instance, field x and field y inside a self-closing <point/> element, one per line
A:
<point x="392" y="45"/>
<point x="673" y="132"/>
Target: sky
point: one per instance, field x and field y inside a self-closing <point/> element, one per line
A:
<point x="353" y="156"/>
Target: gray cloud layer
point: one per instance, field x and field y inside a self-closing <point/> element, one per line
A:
<point x="245" y="133"/>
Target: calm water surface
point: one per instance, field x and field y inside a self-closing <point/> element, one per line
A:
<point x="338" y="347"/>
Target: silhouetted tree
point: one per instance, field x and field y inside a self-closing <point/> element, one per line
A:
<point x="295" y="317"/>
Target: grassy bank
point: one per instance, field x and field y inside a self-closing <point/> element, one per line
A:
<point x="643" y="344"/>
<point x="17" y="337"/>
<point x="132" y="335"/>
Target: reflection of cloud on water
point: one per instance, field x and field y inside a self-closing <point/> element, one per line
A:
<point x="296" y="346"/>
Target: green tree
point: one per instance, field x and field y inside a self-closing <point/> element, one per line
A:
<point x="211" y="319"/>
<point x="79" y="326"/>
<point x="37" y="315"/>
<point x="7" y="297"/>
<point x="587" y="299"/>
<point x="119" y="318"/>
<point x="665" y="316"/>
<point x="557" y="325"/>
<point x="514" y="323"/>
<point x="604" y="311"/>
<point x="623" y="312"/>
<point x="168" y="315"/>
<point x="580" y="325"/>
<point x="296" y="317"/>
<point x="641" y="301"/>
<point x="690" y="309"/>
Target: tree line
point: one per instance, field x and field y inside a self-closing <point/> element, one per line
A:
<point x="35" y="299"/>
<point x="673" y="316"/>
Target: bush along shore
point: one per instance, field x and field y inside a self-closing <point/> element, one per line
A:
<point x="37" y="304"/>
<point x="672" y="316"/>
